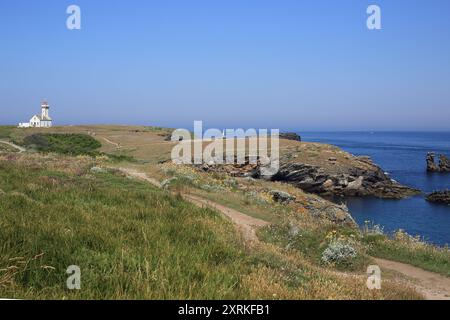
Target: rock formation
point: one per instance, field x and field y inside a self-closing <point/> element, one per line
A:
<point x="290" y="136"/>
<point x="439" y="197"/>
<point x="360" y="177"/>
<point x="281" y="196"/>
<point x="431" y="164"/>
<point x="444" y="163"/>
<point x="354" y="182"/>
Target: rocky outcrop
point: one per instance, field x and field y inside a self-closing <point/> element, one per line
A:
<point x="354" y="182"/>
<point x="323" y="209"/>
<point x="439" y="197"/>
<point x="368" y="180"/>
<point x="431" y="164"/>
<point x="290" y="136"/>
<point x="281" y="196"/>
<point x="444" y="163"/>
<point x="324" y="170"/>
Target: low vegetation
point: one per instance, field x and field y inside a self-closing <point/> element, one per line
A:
<point x="343" y="248"/>
<point x="407" y="249"/>
<point x="6" y="148"/>
<point x="70" y="143"/>
<point x="134" y="241"/>
<point x="67" y="205"/>
<point x="130" y="240"/>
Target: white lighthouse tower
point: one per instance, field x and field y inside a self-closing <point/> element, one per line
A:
<point x="44" y="110"/>
<point x="45" y="120"/>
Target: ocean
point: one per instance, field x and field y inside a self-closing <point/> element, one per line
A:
<point x="402" y="155"/>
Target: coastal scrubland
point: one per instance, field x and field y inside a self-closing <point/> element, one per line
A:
<point x="133" y="240"/>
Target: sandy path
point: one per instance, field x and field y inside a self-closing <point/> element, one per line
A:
<point x="112" y="142"/>
<point x="247" y="225"/>
<point x="432" y="285"/>
<point x="21" y="149"/>
<point x="140" y="175"/>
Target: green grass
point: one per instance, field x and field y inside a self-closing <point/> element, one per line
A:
<point x="5" y="132"/>
<point x="130" y="240"/>
<point x="71" y="144"/>
<point x="312" y="242"/>
<point x="419" y="254"/>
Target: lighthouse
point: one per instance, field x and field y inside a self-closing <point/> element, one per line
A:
<point x="44" y="110"/>
<point x="42" y="121"/>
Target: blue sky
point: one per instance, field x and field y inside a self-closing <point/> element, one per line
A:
<point x="303" y="65"/>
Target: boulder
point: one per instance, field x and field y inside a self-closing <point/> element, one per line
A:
<point x="356" y="184"/>
<point x="336" y="213"/>
<point x="281" y="196"/>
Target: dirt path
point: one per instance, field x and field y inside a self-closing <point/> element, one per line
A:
<point x="247" y="225"/>
<point x="21" y="149"/>
<point x="112" y="142"/>
<point x="432" y="285"/>
<point x="140" y="175"/>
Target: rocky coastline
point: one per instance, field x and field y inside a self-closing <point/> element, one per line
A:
<point x="355" y="182"/>
<point x="325" y="170"/>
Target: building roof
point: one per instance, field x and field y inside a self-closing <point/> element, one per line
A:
<point x="42" y="118"/>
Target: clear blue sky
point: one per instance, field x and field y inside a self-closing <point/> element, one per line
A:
<point x="304" y="65"/>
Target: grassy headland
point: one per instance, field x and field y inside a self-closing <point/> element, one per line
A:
<point x="133" y="240"/>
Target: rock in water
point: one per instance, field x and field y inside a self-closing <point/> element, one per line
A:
<point x="290" y="136"/>
<point x="439" y="197"/>
<point x="444" y="163"/>
<point x="431" y="164"/>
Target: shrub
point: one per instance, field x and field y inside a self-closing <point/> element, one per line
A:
<point x="339" y="253"/>
<point x="71" y="144"/>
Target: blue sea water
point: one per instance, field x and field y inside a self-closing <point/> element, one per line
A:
<point x="402" y="155"/>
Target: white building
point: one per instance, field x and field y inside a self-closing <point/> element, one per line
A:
<point x="42" y="121"/>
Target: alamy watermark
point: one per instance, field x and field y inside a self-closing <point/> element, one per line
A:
<point x="73" y="22"/>
<point x="374" y="19"/>
<point x="374" y="277"/>
<point x="227" y="146"/>
<point x="373" y="22"/>
<point x="74" y="280"/>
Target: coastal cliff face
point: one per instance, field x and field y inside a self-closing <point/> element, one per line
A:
<point x="354" y="181"/>
<point x="326" y="170"/>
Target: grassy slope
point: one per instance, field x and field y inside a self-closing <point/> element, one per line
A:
<point x="134" y="241"/>
<point x="130" y="240"/>
<point x="403" y="248"/>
